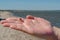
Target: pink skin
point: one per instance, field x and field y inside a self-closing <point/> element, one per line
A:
<point x="32" y="25"/>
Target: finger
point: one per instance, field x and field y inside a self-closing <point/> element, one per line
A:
<point x="35" y="21"/>
<point x="19" y="27"/>
<point x="12" y="18"/>
<point x="3" y="21"/>
<point x="15" y="19"/>
<point x="13" y="26"/>
<point x="21" y="19"/>
<point x="6" y="24"/>
<point x="7" y="21"/>
<point x="30" y="17"/>
<point x="12" y="21"/>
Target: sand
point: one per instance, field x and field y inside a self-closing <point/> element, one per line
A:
<point x="11" y="34"/>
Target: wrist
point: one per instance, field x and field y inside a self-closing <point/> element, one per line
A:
<point x="52" y="36"/>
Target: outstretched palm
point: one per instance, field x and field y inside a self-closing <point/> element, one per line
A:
<point x="32" y="25"/>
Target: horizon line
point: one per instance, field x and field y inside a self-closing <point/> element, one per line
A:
<point x="28" y="10"/>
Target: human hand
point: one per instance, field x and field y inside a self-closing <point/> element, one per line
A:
<point x="30" y="24"/>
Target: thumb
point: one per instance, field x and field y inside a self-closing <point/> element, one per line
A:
<point x="30" y="17"/>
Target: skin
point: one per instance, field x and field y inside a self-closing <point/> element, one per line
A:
<point x="32" y="25"/>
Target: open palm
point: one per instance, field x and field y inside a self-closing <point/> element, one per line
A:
<point x="32" y="25"/>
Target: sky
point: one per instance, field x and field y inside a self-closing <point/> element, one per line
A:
<point x="30" y="4"/>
